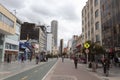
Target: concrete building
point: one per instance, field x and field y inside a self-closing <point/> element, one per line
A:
<point x="61" y="47"/>
<point x="42" y="38"/>
<point x="110" y="16"/>
<point x="74" y="44"/>
<point x="49" y="42"/>
<point x="91" y="22"/>
<point x="101" y="23"/>
<point x="54" y="30"/>
<point x="69" y="46"/>
<point x="35" y="32"/>
<point x="7" y="27"/>
<point x="79" y="44"/>
<point x="11" y="49"/>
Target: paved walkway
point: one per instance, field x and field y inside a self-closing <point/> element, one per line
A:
<point x="10" y="69"/>
<point x="66" y="71"/>
<point x="114" y="73"/>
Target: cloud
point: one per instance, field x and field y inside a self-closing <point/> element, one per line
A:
<point x="15" y="4"/>
<point x="66" y="12"/>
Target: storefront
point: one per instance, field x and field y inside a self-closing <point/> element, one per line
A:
<point x="10" y="55"/>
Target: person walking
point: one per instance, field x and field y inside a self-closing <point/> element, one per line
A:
<point x="75" y="61"/>
<point x="22" y="58"/>
<point x="62" y="58"/>
<point x="37" y="59"/>
<point x="106" y="66"/>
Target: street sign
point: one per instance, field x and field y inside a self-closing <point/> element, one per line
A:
<point x="86" y="45"/>
<point x="87" y="51"/>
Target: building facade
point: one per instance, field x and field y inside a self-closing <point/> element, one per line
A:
<point x="7" y="27"/>
<point x="91" y="22"/>
<point x="35" y="32"/>
<point x="11" y="50"/>
<point x="110" y="10"/>
<point x="49" y="43"/>
<point x="61" y="47"/>
<point x="54" y="30"/>
<point x="42" y="38"/>
<point x="101" y="23"/>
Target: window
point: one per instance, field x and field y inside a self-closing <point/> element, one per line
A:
<point x="97" y="38"/>
<point x="82" y="29"/>
<point x="103" y="7"/>
<point x="13" y="37"/>
<point x="17" y="27"/>
<point x="96" y="13"/>
<point x="6" y="20"/>
<point x="82" y="22"/>
<point x="92" y="30"/>
<point x="97" y="25"/>
<point x="0" y="17"/>
<point x="96" y="2"/>
<point x="11" y="46"/>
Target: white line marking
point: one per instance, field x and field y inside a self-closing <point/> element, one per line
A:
<point x="50" y="70"/>
<point x="24" y="78"/>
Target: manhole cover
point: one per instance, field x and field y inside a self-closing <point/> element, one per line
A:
<point x="62" y="77"/>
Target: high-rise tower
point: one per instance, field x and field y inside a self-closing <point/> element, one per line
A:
<point x="54" y="30"/>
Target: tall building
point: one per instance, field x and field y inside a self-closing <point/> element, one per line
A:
<point x="61" y="47"/>
<point x="110" y="15"/>
<point x="11" y="49"/>
<point x="91" y="21"/>
<point x="7" y="27"/>
<point x="54" y="30"/>
<point x="35" y="32"/>
<point x="101" y="22"/>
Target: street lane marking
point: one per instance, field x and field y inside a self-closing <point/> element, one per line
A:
<point x="50" y="70"/>
<point x="24" y="78"/>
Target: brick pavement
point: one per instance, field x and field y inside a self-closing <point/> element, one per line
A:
<point x="66" y="71"/>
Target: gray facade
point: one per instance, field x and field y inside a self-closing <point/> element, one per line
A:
<point x="110" y="12"/>
<point x="54" y="30"/>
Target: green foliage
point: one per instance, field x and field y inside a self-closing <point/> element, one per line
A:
<point x="94" y="48"/>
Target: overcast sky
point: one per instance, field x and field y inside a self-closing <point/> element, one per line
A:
<point x="66" y="12"/>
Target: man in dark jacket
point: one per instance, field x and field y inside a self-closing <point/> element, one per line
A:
<point x="75" y="62"/>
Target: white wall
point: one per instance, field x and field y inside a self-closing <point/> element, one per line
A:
<point x="49" y="42"/>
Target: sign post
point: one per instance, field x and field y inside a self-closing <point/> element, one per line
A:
<point x="87" y="51"/>
<point x="87" y="45"/>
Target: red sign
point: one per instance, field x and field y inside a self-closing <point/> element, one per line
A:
<point x="87" y="51"/>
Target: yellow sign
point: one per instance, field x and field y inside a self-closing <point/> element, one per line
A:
<point x="86" y="45"/>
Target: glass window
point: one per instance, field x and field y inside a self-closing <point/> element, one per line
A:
<point x="11" y="46"/>
<point x="82" y="29"/>
<point x="0" y="17"/>
<point x="96" y="13"/>
<point x="6" y="20"/>
<point x="97" y="38"/>
<point x="96" y="2"/>
<point x="13" y="37"/>
<point x="97" y="25"/>
<point x="17" y="27"/>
